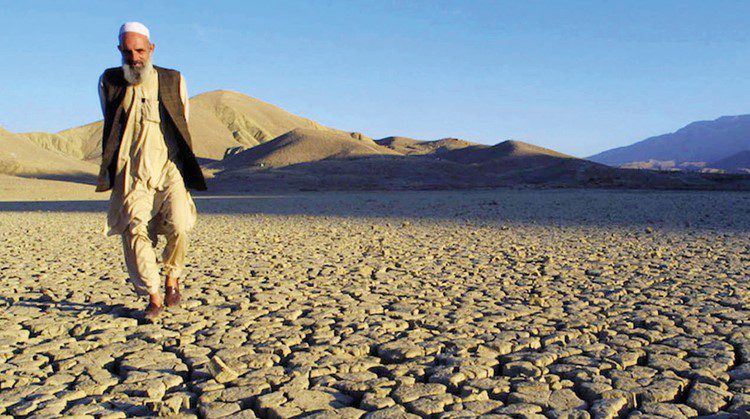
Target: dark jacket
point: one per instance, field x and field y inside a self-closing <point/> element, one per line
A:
<point x="115" y="119"/>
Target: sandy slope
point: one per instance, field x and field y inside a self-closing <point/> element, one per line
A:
<point x="321" y="161"/>
<point x="257" y="121"/>
<point x="22" y="157"/>
<point x="305" y="145"/>
<point x="219" y="120"/>
<point x="506" y="150"/>
<point x="410" y="146"/>
<point x="224" y="119"/>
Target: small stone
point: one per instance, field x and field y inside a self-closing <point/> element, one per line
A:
<point x="609" y="408"/>
<point x="221" y="371"/>
<point x="566" y="399"/>
<point x="540" y="398"/>
<point x="669" y="410"/>
<point x="218" y="409"/>
<point x="482" y="406"/>
<point x="520" y="409"/>
<point x="372" y="401"/>
<point x="399" y="351"/>
<point x="409" y="393"/>
<point x="429" y="405"/>
<point x="592" y="391"/>
<point x="708" y="399"/>
<point x="393" y="412"/>
<point x="244" y="394"/>
<point x="311" y="400"/>
<point x="521" y="369"/>
<point x="155" y="390"/>
<point x="270" y="400"/>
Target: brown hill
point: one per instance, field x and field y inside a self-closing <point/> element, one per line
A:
<point x="516" y="152"/>
<point x="20" y="156"/>
<point x="82" y="143"/>
<point x="287" y="151"/>
<point x="224" y="119"/>
<point x="89" y="140"/>
<point x="410" y="146"/>
<point x="520" y="162"/>
<point x="219" y="120"/>
<point x="402" y="145"/>
<point x="517" y="167"/>
<point x="55" y="143"/>
<point x="302" y="146"/>
<point x="375" y="172"/>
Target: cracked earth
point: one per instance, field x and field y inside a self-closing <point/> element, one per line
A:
<point x="510" y="303"/>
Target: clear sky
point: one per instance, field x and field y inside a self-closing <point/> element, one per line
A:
<point x="576" y="76"/>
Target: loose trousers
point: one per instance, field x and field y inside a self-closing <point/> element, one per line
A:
<point x="152" y="212"/>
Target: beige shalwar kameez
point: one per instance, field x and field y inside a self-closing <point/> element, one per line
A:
<point x="149" y="196"/>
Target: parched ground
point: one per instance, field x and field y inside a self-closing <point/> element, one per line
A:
<point x="509" y="303"/>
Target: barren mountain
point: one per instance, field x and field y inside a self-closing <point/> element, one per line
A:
<point x="410" y="146"/>
<point x="510" y="149"/>
<point x="703" y="141"/>
<point x="252" y="145"/>
<point x="219" y="120"/>
<point x="20" y="156"/>
<point x="223" y="119"/>
<point x="527" y="163"/>
<point x="305" y="145"/>
<point x="402" y="145"/>
<point x="314" y="160"/>
<point x="739" y="162"/>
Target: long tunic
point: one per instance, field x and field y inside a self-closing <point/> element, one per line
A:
<point x="146" y="160"/>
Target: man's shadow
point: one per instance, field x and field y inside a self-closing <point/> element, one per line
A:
<point x="97" y="308"/>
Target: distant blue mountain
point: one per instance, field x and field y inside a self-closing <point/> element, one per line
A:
<point x="739" y="162"/>
<point x="702" y="141"/>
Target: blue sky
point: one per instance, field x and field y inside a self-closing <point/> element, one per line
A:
<point x="576" y="76"/>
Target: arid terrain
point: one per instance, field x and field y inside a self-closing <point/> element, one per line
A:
<point x="502" y="303"/>
<point x="246" y="145"/>
<point x="336" y="275"/>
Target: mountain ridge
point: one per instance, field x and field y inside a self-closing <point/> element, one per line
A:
<point x="219" y="120"/>
<point x="245" y="143"/>
<point x="700" y="141"/>
<point x="304" y="145"/>
<point x="738" y="162"/>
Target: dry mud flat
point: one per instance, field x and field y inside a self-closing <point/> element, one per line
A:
<point x="432" y="304"/>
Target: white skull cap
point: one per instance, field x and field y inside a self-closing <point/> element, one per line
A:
<point x="136" y="27"/>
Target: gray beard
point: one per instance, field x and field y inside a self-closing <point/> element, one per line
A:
<point x="135" y="75"/>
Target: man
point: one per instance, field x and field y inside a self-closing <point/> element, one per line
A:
<point x="148" y="164"/>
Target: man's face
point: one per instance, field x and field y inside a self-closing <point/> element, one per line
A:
<point x="135" y="49"/>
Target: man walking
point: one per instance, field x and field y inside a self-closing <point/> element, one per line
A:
<point x="149" y="165"/>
